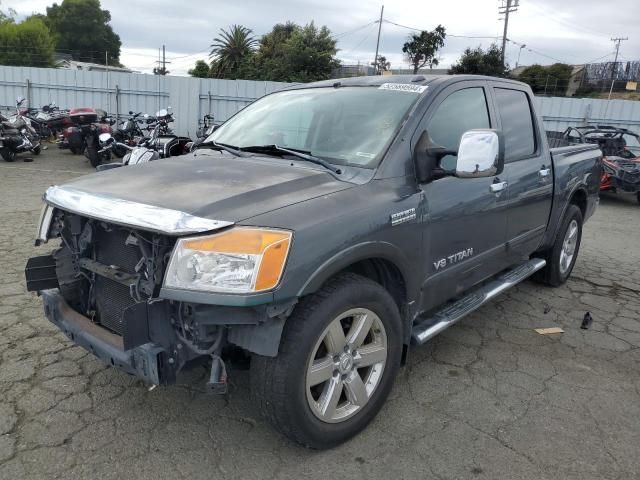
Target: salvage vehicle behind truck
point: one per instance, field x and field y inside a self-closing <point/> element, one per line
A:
<point x="322" y="230"/>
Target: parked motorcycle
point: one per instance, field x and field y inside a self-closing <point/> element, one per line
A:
<point x="17" y="135"/>
<point x="208" y="127"/>
<point x="48" y="120"/>
<point x="163" y="140"/>
<point x="130" y="133"/>
<point x="161" y="143"/>
<point x="82" y="137"/>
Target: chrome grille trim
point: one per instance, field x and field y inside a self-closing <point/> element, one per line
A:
<point x="128" y="213"/>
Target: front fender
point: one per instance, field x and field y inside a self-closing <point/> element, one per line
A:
<point x="354" y="254"/>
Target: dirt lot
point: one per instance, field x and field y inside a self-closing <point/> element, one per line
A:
<point x="488" y="399"/>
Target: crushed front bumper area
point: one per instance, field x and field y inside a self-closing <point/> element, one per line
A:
<point x="146" y="361"/>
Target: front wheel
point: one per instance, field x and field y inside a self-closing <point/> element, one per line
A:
<point x="339" y="355"/>
<point x="564" y="253"/>
<point x="93" y="156"/>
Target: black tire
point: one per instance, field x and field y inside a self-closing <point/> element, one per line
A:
<point x="552" y="274"/>
<point x="638" y="197"/>
<point x="37" y="150"/>
<point x="92" y="155"/>
<point x="119" y="151"/>
<point x="278" y="384"/>
<point x="7" y="154"/>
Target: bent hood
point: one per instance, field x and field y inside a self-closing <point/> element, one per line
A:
<point x="209" y="185"/>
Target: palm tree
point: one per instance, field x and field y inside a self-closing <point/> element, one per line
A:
<point x="231" y="47"/>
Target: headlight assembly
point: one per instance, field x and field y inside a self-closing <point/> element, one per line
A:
<point x="240" y="260"/>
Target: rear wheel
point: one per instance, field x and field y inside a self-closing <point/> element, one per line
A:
<point x="7" y="154"/>
<point x="339" y="355"/>
<point x="564" y="253"/>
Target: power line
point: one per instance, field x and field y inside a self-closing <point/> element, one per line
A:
<point x="566" y="23"/>
<point x="448" y="34"/>
<point x="349" y="32"/>
<point x="366" y="36"/>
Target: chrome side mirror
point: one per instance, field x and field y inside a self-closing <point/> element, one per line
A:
<point x="481" y="154"/>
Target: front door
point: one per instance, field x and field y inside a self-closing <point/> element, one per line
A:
<point x="465" y="227"/>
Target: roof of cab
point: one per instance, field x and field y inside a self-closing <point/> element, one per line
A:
<point x="417" y="79"/>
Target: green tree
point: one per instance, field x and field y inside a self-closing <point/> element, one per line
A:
<point x="535" y="76"/>
<point x="480" y="62"/>
<point x="200" y="69"/>
<point x="291" y="53"/>
<point x="27" y="44"/>
<point x="382" y="65"/>
<point x="8" y="16"/>
<point x="81" y="28"/>
<point x="422" y="49"/>
<point x="231" y="50"/>
<point x="549" y="79"/>
<point x="161" y="71"/>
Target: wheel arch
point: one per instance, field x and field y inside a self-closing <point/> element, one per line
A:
<point x="579" y="198"/>
<point x="381" y="262"/>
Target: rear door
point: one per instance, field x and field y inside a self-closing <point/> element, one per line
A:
<point x="528" y="170"/>
<point x="465" y="231"/>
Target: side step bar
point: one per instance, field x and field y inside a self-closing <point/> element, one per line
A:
<point x="452" y="313"/>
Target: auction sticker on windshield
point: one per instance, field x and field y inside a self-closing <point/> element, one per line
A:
<point x="403" y="87"/>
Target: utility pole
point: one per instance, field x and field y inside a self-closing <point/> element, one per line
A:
<point x="508" y="6"/>
<point x="617" y="41"/>
<point x="375" y="60"/>
<point x="162" y="62"/>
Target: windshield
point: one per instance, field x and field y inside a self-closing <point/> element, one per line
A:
<point x="345" y="125"/>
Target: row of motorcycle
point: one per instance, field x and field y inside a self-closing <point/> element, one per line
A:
<point x="138" y="138"/>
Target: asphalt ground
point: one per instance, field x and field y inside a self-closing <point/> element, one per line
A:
<point x="488" y="399"/>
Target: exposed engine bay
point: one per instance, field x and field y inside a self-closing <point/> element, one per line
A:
<point x="113" y="274"/>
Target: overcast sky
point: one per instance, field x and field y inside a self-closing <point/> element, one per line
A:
<point x="571" y="31"/>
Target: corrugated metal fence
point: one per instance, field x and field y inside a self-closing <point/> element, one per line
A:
<point x="192" y="98"/>
<point x="119" y="93"/>
<point x="559" y="113"/>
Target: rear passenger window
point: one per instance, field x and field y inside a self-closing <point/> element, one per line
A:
<point x="461" y="111"/>
<point x="517" y="124"/>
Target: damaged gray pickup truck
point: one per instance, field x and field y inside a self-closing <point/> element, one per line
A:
<point x="320" y="232"/>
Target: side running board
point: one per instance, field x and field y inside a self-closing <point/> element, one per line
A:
<point x="452" y="313"/>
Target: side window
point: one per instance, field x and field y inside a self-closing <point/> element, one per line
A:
<point x="517" y="124"/>
<point x="461" y="111"/>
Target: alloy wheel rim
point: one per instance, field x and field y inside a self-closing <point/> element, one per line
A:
<point x="346" y="365"/>
<point x="569" y="246"/>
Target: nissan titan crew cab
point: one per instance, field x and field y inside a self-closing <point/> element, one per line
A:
<point x="322" y="231"/>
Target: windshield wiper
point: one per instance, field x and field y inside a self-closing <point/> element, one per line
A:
<point x="223" y="146"/>
<point x="303" y="154"/>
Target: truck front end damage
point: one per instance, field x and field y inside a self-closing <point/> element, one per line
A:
<point x="103" y="287"/>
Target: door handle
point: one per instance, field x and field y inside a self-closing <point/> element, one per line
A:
<point x="498" y="187"/>
<point x="544" y="172"/>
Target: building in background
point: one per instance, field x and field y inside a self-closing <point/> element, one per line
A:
<point x="65" y="61"/>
